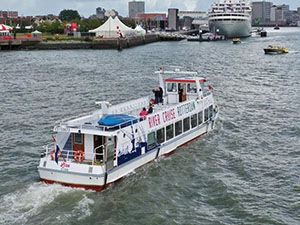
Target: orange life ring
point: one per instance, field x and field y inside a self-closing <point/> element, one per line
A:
<point x="53" y="154"/>
<point x="79" y="156"/>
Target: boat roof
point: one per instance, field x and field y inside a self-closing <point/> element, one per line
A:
<point x="185" y="80"/>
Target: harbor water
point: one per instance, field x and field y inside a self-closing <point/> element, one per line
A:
<point x="247" y="171"/>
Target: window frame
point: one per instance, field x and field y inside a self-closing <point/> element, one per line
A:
<point x="169" y="132"/>
<point x="158" y="137"/>
<point x="186" y="123"/>
<point x="176" y="130"/>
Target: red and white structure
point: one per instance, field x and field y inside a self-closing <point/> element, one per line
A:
<point x="96" y="150"/>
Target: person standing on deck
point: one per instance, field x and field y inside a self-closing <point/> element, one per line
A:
<point x="160" y="95"/>
<point x="156" y="95"/>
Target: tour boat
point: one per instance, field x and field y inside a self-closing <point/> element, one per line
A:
<point x="236" y="41"/>
<point x="275" y="49"/>
<point x="95" y="150"/>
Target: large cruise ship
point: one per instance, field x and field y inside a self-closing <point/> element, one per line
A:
<point x="231" y="18"/>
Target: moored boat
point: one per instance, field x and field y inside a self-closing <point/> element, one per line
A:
<point x="236" y="41"/>
<point x="275" y="49"/>
<point x="96" y="150"/>
<point x="231" y="18"/>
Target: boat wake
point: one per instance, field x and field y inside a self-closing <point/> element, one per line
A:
<point x="18" y="207"/>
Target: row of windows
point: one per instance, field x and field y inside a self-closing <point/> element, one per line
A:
<point x="190" y="88"/>
<point x="228" y="19"/>
<point x="215" y="15"/>
<point x="173" y="130"/>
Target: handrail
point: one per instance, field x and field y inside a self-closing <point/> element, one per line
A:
<point x="67" y="154"/>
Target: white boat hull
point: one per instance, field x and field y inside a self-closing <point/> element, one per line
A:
<point x="82" y="176"/>
<point x="231" y="29"/>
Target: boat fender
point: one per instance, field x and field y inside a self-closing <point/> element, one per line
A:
<point x="53" y="154"/>
<point x="79" y="156"/>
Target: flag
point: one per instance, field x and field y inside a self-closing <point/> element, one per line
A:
<point x="57" y="150"/>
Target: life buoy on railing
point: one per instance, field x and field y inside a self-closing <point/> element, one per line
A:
<point x="53" y="154"/>
<point x="79" y="156"/>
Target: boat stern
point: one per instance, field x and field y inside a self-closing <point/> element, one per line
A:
<point x="72" y="174"/>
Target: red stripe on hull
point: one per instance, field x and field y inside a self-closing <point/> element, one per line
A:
<point x="190" y="141"/>
<point x="101" y="188"/>
<point x="86" y="187"/>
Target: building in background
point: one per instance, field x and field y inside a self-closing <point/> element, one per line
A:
<point x="261" y="13"/>
<point x="149" y="21"/>
<point x="280" y="14"/>
<point x="8" y="16"/>
<point x="100" y="13"/>
<point x="192" y="19"/>
<point x="173" y="19"/>
<point x="135" y="8"/>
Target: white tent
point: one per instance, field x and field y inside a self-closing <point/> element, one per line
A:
<point x="113" y="28"/>
<point x="141" y="31"/>
<point x="4" y="27"/>
<point x="126" y="31"/>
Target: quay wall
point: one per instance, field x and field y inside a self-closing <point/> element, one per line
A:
<point x="113" y="43"/>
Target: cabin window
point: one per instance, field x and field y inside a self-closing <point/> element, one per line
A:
<point x="200" y="118"/>
<point x="210" y="111"/>
<point x="78" y="139"/>
<point x="178" y="128"/>
<point x="151" y="140"/>
<point x="205" y="114"/>
<point x="186" y="124"/>
<point x="169" y="132"/>
<point x="191" y="88"/>
<point x="160" y="134"/>
<point x="194" y="120"/>
<point x="171" y="87"/>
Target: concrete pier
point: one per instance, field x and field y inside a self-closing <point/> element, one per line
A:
<point x="113" y="43"/>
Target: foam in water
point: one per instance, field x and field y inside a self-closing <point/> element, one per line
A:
<point x="19" y="206"/>
<point x="82" y="209"/>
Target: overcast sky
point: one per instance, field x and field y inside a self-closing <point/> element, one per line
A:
<point x="87" y="7"/>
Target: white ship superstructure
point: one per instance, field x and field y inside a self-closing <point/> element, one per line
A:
<point x="96" y="150"/>
<point x="231" y="18"/>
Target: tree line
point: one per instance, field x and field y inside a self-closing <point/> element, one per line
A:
<point x="66" y="17"/>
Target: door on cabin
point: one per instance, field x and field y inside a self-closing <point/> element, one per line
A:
<point x="78" y="142"/>
<point x="111" y="154"/>
<point x="182" y="92"/>
<point x="99" y="142"/>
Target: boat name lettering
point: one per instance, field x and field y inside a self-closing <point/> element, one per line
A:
<point x="154" y="120"/>
<point x="64" y="165"/>
<point x="169" y="115"/>
<point x="186" y="108"/>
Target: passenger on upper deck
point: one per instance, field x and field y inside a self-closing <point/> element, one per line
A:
<point x="156" y="95"/>
<point x="160" y="96"/>
<point x="150" y="109"/>
<point x="143" y="113"/>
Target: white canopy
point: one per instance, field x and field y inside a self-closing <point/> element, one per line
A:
<point x="140" y="30"/>
<point x="4" y="27"/>
<point x="113" y="28"/>
<point x="36" y="32"/>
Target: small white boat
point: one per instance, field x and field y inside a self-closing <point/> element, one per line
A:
<point x="96" y="150"/>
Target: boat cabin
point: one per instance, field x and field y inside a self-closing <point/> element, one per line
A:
<point x="183" y="89"/>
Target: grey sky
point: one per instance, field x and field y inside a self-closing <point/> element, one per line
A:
<point x="87" y="7"/>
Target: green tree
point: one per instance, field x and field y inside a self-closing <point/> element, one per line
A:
<point x="129" y="22"/>
<point x="69" y="15"/>
<point x="90" y="24"/>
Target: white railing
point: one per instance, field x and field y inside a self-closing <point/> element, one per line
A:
<point x="68" y="155"/>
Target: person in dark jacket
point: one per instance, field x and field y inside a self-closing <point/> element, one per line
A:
<point x="160" y="95"/>
<point x="150" y="109"/>
<point x="156" y="95"/>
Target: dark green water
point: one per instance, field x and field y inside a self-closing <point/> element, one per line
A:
<point x="247" y="171"/>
